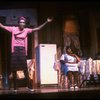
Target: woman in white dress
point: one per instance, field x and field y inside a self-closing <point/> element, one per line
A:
<point x="69" y="67"/>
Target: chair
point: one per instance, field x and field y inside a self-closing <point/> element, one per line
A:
<point x="64" y="82"/>
<point x="62" y="79"/>
<point x="88" y="71"/>
<point x="20" y="76"/>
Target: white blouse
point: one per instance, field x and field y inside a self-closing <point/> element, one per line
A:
<point x="68" y="58"/>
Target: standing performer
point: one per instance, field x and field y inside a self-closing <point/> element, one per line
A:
<point x="19" y="47"/>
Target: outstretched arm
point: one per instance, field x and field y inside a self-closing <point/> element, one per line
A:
<point x="8" y="28"/>
<point x="41" y="26"/>
<point x="2" y="26"/>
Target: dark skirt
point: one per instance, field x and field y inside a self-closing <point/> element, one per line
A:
<point x="18" y="58"/>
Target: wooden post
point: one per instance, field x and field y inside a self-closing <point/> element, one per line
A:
<point x="35" y="44"/>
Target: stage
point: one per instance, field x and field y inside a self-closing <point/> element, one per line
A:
<point x="51" y="93"/>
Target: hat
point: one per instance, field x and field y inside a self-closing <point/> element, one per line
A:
<point x="22" y="18"/>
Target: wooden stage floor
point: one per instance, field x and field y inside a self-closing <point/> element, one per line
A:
<point x="52" y="93"/>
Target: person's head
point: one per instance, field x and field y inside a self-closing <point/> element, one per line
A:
<point x="68" y="50"/>
<point x="22" y="22"/>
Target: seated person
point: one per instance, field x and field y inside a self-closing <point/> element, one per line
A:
<point x="69" y="67"/>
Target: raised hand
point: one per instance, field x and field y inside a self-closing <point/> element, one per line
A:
<point x="49" y="19"/>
